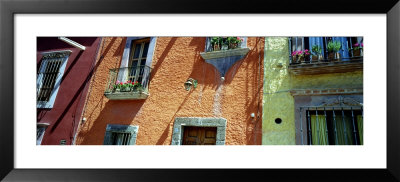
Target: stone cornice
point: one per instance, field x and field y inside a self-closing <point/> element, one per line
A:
<point x="329" y="91"/>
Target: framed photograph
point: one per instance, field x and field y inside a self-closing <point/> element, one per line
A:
<point x="112" y="36"/>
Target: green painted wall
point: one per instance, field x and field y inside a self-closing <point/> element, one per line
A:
<point x="277" y="100"/>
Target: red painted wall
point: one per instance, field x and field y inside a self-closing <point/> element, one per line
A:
<point x="67" y="109"/>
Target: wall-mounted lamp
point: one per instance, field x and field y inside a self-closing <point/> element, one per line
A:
<point x="188" y="84"/>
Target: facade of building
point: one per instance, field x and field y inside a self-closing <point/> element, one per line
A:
<point x="316" y="101"/>
<point x="64" y="67"/>
<point x="200" y="91"/>
<point x="175" y="91"/>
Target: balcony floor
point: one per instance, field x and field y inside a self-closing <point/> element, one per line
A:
<point x="326" y="67"/>
<point x="127" y="95"/>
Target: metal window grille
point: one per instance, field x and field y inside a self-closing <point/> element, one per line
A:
<point x="120" y="138"/>
<point x="47" y="76"/>
<point x="336" y="125"/>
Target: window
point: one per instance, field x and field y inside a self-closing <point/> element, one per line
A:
<point x="40" y="129"/>
<point x="120" y="134"/>
<point x="137" y="59"/>
<point x="347" y="44"/>
<point x="49" y="77"/>
<point x="336" y="126"/>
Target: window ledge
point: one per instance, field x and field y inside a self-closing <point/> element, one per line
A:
<point x="326" y="67"/>
<point x="42" y="124"/>
<point x="224" y="53"/>
<point x="126" y="95"/>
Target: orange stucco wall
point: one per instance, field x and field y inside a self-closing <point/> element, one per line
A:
<point x="175" y="60"/>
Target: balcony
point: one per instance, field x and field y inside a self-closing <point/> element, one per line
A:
<point x="348" y="58"/>
<point x="130" y="83"/>
<point x="222" y="53"/>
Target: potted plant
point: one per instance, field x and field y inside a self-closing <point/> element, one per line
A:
<point x="297" y="56"/>
<point x="317" y="53"/>
<point x="333" y="49"/>
<point x="357" y="49"/>
<point x="234" y="42"/>
<point x="306" y="55"/>
<point x="216" y="43"/>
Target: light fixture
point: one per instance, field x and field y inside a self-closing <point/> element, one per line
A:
<point x="188" y="84"/>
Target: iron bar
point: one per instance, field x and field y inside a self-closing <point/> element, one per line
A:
<point x="326" y="126"/>
<point x="301" y="127"/>
<point x="344" y="127"/>
<point x="354" y="127"/>
<point x="309" y="127"/>
<point x="316" y="115"/>
<point x="334" y="125"/>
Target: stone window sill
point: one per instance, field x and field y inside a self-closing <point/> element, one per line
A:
<point x="224" y="53"/>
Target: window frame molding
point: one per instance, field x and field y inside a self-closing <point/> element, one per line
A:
<point x="43" y="127"/>
<point x="132" y="129"/>
<point x="312" y="101"/>
<point x="126" y="57"/>
<point x="57" y="84"/>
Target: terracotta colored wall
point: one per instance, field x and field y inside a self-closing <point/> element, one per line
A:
<point x="65" y="114"/>
<point x="175" y="60"/>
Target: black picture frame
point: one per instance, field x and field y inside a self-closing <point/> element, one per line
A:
<point x="8" y="8"/>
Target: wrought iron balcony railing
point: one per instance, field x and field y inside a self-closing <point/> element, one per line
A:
<point x="311" y="55"/>
<point x="129" y="83"/>
<point x="350" y="49"/>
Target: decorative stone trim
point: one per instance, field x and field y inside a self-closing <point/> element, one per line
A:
<point x="179" y="123"/>
<point x="224" y="53"/>
<point x="126" y="95"/>
<point x="331" y="91"/>
<point x="56" y="54"/>
<point x="133" y="130"/>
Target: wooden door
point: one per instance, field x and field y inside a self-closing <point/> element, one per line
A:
<point x="199" y="135"/>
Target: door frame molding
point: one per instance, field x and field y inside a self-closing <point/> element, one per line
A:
<point x="180" y="122"/>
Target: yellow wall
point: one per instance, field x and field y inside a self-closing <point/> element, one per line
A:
<point x="277" y="100"/>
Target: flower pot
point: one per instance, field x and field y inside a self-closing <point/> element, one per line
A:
<point x="216" y="47"/>
<point x="295" y="59"/>
<point x="337" y="56"/>
<point x="126" y="89"/>
<point x="117" y="90"/>
<point x="334" y="56"/>
<point x="357" y="53"/>
<point x="301" y="60"/>
<point x="232" y="46"/>
<point x="316" y="58"/>
<point x="224" y="47"/>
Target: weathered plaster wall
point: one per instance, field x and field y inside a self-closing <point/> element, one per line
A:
<point x="277" y="100"/>
<point x="175" y="60"/>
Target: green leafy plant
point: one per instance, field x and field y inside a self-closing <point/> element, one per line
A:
<point x="334" y="46"/>
<point x="316" y="49"/>
<point x="127" y="85"/>
<point x="216" y="40"/>
<point x="231" y="42"/>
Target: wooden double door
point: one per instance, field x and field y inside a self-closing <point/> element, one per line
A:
<point x="193" y="135"/>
